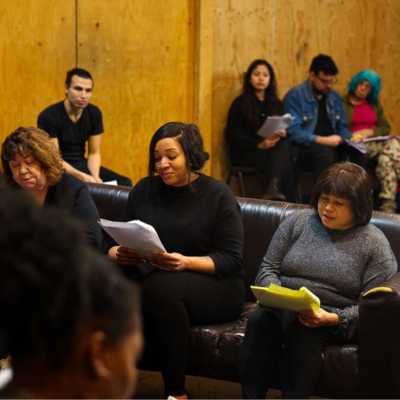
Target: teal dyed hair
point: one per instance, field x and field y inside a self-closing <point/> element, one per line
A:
<point x="373" y="78"/>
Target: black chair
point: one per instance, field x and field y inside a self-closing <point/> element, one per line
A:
<point x="239" y="172"/>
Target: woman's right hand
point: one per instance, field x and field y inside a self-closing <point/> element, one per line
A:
<point x="269" y="142"/>
<point x="125" y="256"/>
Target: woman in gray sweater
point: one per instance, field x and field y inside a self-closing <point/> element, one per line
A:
<point x="335" y="252"/>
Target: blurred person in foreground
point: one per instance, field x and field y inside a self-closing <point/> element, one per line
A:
<point x="69" y="320"/>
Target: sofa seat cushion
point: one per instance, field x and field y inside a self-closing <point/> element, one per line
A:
<point x="215" y="353"/>
<point x="340" y="365"/>
<point x="218" y="346"/>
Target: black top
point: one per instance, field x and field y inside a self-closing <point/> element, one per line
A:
<point x="241" y="128"/>
<point x="323" y="127"/>
<point x="72" y="195"/>
<point x="71" y="136"/>
<point x="200" y="219"/>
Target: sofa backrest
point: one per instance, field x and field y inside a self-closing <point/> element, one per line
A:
<point x="262" y="217"/>
<point x="260" y="220"/>
<point x="110" y="200"/>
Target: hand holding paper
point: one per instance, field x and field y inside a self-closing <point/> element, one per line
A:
<point x="274" y="124"/>
<point x="317" y="318"/>
<point x="288" y="299"/>
<point x="136" y="235"/>
<point x="127" y="256"/>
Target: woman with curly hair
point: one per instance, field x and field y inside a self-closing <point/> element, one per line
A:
<point x="270" y="156"/>
<point x="367" y="120"/>
<point x="31" y="162"/>
<point x="197" y="280"/>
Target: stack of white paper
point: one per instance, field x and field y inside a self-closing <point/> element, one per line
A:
<point x="376" y="138"/>
<point x="112" y="183"/>
<point x="136" y="235"/>
<point x="273" y="124"/>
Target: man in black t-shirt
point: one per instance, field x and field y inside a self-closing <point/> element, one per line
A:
<point x="73" y="122"/>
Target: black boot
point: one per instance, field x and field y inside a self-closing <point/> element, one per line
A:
<point x="273" y="192"/>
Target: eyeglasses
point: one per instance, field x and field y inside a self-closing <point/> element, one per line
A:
<point x="327" y="81"/>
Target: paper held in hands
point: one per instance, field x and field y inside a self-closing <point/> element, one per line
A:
<point x="136" y="235"/>
<point x="273" y="124"/>
<point x="360" y="146"/>
<point x="288" y="299"/>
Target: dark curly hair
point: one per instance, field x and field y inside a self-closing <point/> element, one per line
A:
<point x="189" y="138"/>
<point x="351" y="182"/>
<point x="53" y="286"/>
<point x="37" y="143"/>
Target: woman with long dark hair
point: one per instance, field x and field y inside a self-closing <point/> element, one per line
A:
<point x="271" y="156"/>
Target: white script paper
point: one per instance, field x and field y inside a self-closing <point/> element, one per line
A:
<point x="360" y="146"/>
<point x="136" y="235"/>
<point x="273" y="124"/>
<point x="112" y="183"/>
<point x="376" y="138"/>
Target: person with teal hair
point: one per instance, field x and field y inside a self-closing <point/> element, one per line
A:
<point x="372" y="78"/>
<point x="369" y="125"/>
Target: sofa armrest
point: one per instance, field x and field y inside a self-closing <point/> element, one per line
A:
<point x="379" y="341"/>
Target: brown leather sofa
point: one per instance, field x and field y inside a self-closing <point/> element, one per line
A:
<point x="369" y="368"/>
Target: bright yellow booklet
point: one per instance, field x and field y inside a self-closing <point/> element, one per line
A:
<point x="281" y="297"/>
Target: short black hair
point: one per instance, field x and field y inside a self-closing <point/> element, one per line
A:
<point x="323" y="63"/>
<point x="82" y="73"/>
<point x="53" y="286"/>
<point x="351" y="182"/>
<point x="189" y="138"/>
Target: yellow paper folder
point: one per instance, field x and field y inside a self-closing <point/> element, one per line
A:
<point x="288" y="299"/>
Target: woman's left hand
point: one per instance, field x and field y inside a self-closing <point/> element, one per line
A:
<point x="174" y="262"/>
<point x="315" y="319"/>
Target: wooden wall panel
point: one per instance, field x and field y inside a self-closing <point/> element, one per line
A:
<point x="385" y="56"/>
<point x="358" y="34"/>
<point x="36" y="49"/>
<point x="141" y="56"/>
<point x="182" y="59"/>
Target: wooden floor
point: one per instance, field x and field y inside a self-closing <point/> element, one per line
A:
<point x="150" y="387"/>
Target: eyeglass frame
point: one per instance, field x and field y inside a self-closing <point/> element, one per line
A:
<point x="327" y="82"/>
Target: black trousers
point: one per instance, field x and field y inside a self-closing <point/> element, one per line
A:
<point x="275" y="162"/>
<point x="277" y="345"/>
<point x="105" y="173"/>
<point x="172" y="302"/>
<point x="317" y="157"/>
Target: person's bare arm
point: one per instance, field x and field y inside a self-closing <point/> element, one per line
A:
<point x="178" y="262"/>
<point x="330" y="141"/>
<point x="69" y="169"/>
<point x="94" y="156"/>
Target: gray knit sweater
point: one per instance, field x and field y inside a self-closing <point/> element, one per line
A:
<point x="335" y="265"/>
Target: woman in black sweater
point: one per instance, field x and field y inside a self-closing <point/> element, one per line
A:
<point x="270" y="156"/>
<point x="198" y="279"/>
